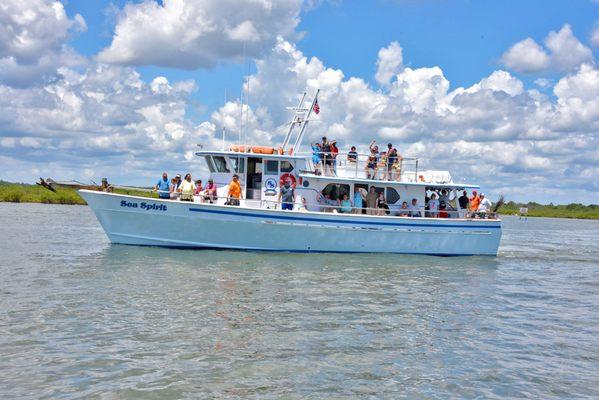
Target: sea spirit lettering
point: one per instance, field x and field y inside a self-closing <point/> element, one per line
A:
<point x="144" y="206"/>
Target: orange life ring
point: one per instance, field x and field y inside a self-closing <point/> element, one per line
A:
<point x="263" y="150"/>
<point x="284" y="178"/>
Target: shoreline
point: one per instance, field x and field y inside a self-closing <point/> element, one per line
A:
<point x="35" y="194"/>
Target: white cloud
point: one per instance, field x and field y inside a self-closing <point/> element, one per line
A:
<point x="526" y="56"/>
<point x="198" y="33"/>
<point x="32" y="40"/>
<point x="567" y="53"/>
<point x="389" y="63"/>
<point x="564" y="52"/>
<point x="105" y="119"/>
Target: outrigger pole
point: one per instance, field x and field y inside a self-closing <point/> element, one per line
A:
<point x="300" y="136"/>
<point x="297" y="111"/>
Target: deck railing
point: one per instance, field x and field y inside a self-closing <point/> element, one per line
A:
<point x="346" y="165"/>
<point x="299" y="205"/>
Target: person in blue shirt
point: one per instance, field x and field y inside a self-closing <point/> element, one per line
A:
<point x="163" y="187"/>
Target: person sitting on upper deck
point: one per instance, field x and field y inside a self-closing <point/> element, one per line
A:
<point x="346" y="205"/>
<point x="210" y="191"/>
<point x="415" y="209"/>
<point x="162" y="187"/>
<point x="186" y="188"/>
<point x="287" y="195"/>
<point x="352" y="155"/>
<point x="234" y="194"/>
<point x="404" y="211"/>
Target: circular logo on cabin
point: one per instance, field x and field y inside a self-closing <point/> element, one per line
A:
<point x="270" y="184"/>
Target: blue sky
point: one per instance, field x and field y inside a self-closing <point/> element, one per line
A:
<point x="466" y="38"/>
<point x="503" y="93"/>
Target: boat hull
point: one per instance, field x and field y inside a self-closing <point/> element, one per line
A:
<point x="152" y="222"/>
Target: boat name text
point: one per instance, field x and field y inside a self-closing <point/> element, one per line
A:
<point x="144" y="206"/>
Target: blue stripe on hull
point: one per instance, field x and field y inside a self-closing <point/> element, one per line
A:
<point x="352" y="222"/>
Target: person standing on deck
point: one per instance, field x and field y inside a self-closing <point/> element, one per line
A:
<point x="433" y="206"/>
<point x="391" y="160"/>
<point x="371" y="201"/>
<point x="186" y="188"/>
<point x="162" y="187"/>
<point x="484" y="205"/>
<point x="474" y="201"/>
<point x="287" y="196"/>
<point x="358" y="201"/>
<point x="463" y="202"/>
<point x="234" y="194"/>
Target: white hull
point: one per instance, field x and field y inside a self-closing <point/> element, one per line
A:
<point x="153" y="222"/>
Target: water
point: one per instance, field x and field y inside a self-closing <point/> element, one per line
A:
<point x="81" y="318"/>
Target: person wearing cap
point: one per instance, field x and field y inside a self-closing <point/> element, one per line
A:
<point x="327" y="159"/>
<point x="163" y="187"/>
<point x="474" y="201"/>
<point x="210" y="191"/>
<point x="485" y="204"/>
<point x="234" y="193"/>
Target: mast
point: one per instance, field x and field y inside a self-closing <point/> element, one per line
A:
<point x="297" y="111"/>
<point x="300" y="136"/>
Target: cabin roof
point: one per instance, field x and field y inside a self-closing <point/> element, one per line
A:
<point x="335" y="179"/>
<point x="241" y="154"/>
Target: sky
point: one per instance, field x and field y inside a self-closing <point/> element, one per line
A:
<point x="504" y="94"/>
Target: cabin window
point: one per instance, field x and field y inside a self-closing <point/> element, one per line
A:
<point x="237" y="164"/>
<point x="336" y="191"/>
<point x="220" y="164"/>
<point x="392" y="196"/>
<point x="272" y="167"/>
<point x="286" y="166"/>
<point x="210" y="164"/>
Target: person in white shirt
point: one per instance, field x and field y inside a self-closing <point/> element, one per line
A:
<point x="484" y="205"/>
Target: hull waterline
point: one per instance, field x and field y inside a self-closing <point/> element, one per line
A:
<point x="152" y="222"/>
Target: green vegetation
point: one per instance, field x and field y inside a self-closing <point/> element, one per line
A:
<point x="24" y="193"/>
<point x="553" y="211"/>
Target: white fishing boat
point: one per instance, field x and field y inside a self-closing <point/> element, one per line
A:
<point x="317" y="222"/>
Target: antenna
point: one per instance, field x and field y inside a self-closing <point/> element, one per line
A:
<point x="304" y="123"/>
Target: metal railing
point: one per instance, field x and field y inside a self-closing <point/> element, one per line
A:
<point x="346" y="165"/>
<point x="301" y="205"/>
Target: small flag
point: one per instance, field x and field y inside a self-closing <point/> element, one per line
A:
<point x="316" y="107"/>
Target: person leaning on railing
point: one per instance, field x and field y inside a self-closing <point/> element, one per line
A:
<point x="187" y="188"/>
<point x="163" y="186"/>
<point x="287" y="195"/>
<point x="210" y="191"/>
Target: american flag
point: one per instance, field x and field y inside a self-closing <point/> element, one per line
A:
<point x="316" y="107"/>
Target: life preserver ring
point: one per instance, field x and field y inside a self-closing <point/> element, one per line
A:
<point x="286" y="176"/>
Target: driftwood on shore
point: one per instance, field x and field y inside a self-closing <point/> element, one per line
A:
<point x="51" y="185"/>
